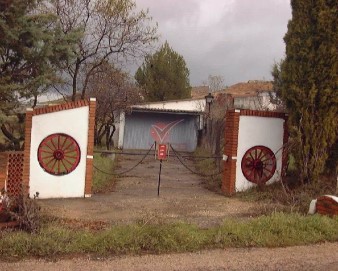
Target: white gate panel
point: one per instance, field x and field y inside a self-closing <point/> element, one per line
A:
<point x="75" y="123"/>
<point x="253" y="131"/>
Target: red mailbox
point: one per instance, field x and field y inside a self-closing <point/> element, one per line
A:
<point x="162" y="152"/>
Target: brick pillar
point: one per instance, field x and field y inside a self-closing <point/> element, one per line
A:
<point x="90" y="148"/>
<point x="230" y="150"/>
<point x="3" y="169"/>
<point x="27" y="150"/>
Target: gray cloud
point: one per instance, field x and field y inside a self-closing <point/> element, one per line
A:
<point x="237" y="39"/>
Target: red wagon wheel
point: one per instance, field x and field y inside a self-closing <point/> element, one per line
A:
<point x="59" y="154"/>
<point x="258" y="164"/>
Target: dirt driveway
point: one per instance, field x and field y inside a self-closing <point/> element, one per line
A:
<point x="182" y="197"/>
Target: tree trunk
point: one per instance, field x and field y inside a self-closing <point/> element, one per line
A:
<point x="111" y="142"/>
<point x="218" y="139"/>
<point x="107" y="132"/>
<point x="11" y="137"/>
<point x="100" y="133"/>
<point x="77" y="67"/>
<point x="35" y="101"/>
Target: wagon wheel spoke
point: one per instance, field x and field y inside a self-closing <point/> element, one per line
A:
<point x="260" y="155"/>
<point x="269" y="170"/>
<point x="267" y="158"/>
<point x="45" y="145"/>
<point x="258" y="164"/>
<point x="58" y="154"/>
<point x="42" y="150"/>
<point x="48" y="156"/>
<point x="251" y="156"/>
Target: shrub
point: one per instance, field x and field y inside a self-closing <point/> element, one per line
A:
<point x="21" y="209"/>
<point x="289" y="197"/>
<point x="27" y="213"/>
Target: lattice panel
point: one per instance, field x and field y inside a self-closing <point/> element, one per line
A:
<point x="15" y="169"/>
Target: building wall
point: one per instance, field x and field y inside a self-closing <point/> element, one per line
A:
<point x="259" y="102"/>
<point x="142" y="129"/>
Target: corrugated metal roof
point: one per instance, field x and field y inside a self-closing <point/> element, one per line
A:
<point x="161" y="110"/>
<point x="170" y="101"/>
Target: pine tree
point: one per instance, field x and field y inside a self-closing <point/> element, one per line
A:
<point x="32" y="48"/>
<point x="308" y="82"/>
<point x="164" y="75"/>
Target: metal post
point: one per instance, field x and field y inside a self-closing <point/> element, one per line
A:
<point x="159" y="179"/>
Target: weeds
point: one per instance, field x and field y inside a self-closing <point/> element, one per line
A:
<point x="277" y="229"/>
<point x="207" y="166"/>
<point x="26" y="212"/>
<point x="20" y="209"/>
<point x="289" y="197"/>
<point x="102" y="181"/>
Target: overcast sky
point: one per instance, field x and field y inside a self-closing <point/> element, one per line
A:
<point x="236" y="39"/>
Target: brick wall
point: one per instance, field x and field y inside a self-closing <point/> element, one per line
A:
<point x="326" y="205"/>
<point x="26" y="158"/>
<point x="3" y="169"/>
<point x="60" y="107"/>
<point x="231" y="144"/>
<point x="90" y="148"/>
<point x="230" y="150"/>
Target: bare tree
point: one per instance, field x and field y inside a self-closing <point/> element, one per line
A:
<point x="111" y="30"/>
<point x="215" y="119"/>
<point x="215" y="83"/>
<point x="215" y="124"/>
<point x="114" y="92"/>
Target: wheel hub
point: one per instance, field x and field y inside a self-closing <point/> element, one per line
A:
<point x="59" y="154"/>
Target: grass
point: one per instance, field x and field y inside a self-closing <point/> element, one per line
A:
<point x="102" y="181"/>
<point x="275" y="230"/>
<point x="208" y="166"/>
